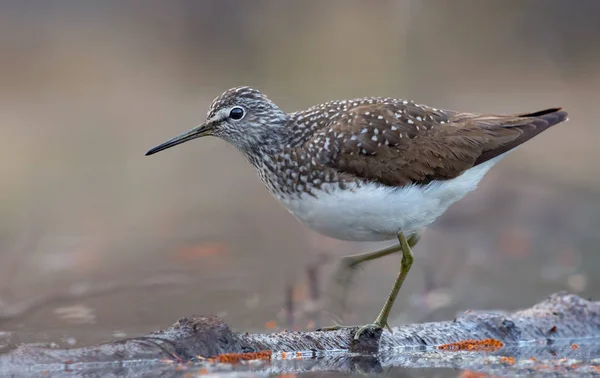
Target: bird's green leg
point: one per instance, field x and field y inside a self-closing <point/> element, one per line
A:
<point x="349" y="265"/>
<point x="405" y="264"/>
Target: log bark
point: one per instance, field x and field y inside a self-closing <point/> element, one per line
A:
<point x="549" y="329"/>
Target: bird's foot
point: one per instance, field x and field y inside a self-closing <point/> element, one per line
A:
<point x="361" y="329"/>
<point x="371" y="327"/>
<point x="336" y="327"/>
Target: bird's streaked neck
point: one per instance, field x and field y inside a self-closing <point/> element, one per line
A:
<point x="269" y="143"/>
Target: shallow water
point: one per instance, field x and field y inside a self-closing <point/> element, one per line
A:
<point x="251" y="295"/>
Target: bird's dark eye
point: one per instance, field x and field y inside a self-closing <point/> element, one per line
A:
<point x="236" y="113"/>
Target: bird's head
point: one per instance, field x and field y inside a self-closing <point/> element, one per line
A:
<point x="241" y="116"/>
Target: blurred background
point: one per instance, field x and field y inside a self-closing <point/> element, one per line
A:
<point x="98" y="241"/>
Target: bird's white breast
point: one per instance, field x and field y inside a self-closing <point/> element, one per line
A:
<point x="374" y="212"/>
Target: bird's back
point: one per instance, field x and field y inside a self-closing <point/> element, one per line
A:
<point x="396" y="142"/>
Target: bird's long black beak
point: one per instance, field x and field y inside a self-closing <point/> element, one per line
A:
<point x="194" y="133"/>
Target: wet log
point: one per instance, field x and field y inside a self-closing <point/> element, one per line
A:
<point x="562" y="319"/>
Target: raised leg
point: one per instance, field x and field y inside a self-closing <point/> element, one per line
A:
<point x="349" y="265"/>
<point x="347" y="268"/>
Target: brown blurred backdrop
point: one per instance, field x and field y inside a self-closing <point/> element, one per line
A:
<point x="87" y="87"/>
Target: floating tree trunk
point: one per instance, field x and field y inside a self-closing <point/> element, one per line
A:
<point x="561" y="329"/>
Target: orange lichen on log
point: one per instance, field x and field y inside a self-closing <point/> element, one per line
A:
<point x="574" y="346"/>
<point x="485" y="345"/>
<point x="507" y="360"/>
<point x="472" y="374"/>
<point x="232" y="358"/>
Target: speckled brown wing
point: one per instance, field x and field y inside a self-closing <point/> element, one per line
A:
<point x="402" y="143"/>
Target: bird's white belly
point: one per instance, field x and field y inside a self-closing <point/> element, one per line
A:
<point x="375" y="212"/>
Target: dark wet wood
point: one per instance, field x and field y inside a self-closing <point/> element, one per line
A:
<point x="560" y="317"/>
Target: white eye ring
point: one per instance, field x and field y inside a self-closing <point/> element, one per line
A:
<point x="237" y="113"/>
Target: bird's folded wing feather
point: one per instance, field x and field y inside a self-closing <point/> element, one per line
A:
<point x="399" y="144"/>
